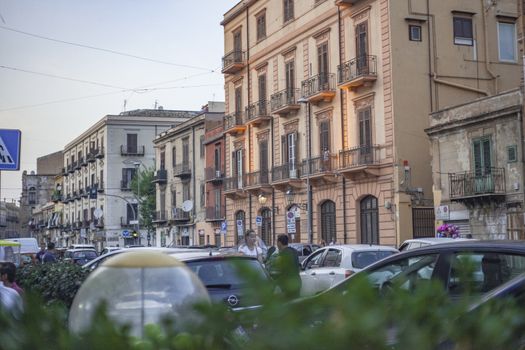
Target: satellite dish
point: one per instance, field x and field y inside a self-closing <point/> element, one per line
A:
<point x="187" y="206"/>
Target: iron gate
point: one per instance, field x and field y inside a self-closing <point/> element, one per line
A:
<point x="423" y="222"/>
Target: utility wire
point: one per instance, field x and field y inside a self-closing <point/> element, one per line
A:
<point x="108" y="50"/>
<point x="63" y="78"/>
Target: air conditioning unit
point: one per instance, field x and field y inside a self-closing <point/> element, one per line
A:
<point x="293" y="173"/>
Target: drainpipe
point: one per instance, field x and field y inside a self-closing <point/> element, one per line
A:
<point x="487" y="58"/>
<point x="343" y="140"/>
<point x="194" y="181"/>
<point x="248" y="129"/>
<point x="273" y="189"/>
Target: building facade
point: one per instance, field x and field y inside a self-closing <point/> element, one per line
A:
<point x="180" y="178"/>
<point x="327" y="103"/>
<point x="477" y="166"/>
<point x="9" y="220"/>
<point x="99" y="165"/>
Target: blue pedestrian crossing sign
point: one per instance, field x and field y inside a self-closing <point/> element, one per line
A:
<point x="10" y="141"/>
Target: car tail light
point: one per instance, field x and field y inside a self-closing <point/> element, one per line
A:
<point x="348" y="273"/>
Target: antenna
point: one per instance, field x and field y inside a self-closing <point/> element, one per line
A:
<point x="125" y="104"/>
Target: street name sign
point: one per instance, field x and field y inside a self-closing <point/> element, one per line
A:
<point x="10" y="141"/>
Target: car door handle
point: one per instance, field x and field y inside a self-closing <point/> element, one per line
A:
<point x="332" y="273"/>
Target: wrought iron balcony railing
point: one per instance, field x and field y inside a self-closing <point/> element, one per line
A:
<point x="482" y="182"/>
<point x="319" y="164"/>
<point x="214" y="174"/>
<point x="182" y="169"/>
<point x="358" y="156"/>
<point x="285" y="172"/>
<point x="358" y="67"/>
<point x="233" y="61"/>
<point x="132" y="150"/>
<point x="215" y="213"/>
<point x="318" y="84"/>
<point x="259" y="109"/>
<point x="284" y="101"/>
<point x="257" y="178"/>
<point x="234" y="120"/>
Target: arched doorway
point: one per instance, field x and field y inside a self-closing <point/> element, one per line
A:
<point x="266" y="228"/>
<point x="293" y="218"/>
<point x="369" y="220"/>
<point x="328" y="233"/>
<point x="240" y="224"/>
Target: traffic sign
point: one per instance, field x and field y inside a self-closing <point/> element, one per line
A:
<point x="224" y="227"/>
<point x="10" y="141"/>
<point x="125" y="233"/>
<point x="258" y="220"/>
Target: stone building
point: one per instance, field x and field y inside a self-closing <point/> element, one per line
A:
<point x="99" y="165"/>
<point x="181" y="181"/>
<point x="9" y="220"/>
<point x="327" y="103"/>
<point x="477" y="165"/>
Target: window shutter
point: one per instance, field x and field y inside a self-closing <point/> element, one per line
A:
<point x="284" y="150"/>
<point x="487" y="163"/>
<point x="124" y="175"/>
<point x="234" y="163"/>
<point x="296" y="141"/>
<point x="477" y="157"/>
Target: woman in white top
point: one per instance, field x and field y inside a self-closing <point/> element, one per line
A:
<point x="250" y="247"/>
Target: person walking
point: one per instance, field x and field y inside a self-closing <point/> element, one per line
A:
<point x="286" y="268"/>
<point x="40" y="254"/>
<point x="49" y="256"/>
<point x="250" y="247"/>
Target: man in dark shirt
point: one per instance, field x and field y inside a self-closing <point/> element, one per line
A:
<point x="49" y="256"/>
<point x="287" y="268"/>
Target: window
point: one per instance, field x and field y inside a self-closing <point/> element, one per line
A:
<point x="365" y="131"/>
<point x="512" y="154"/>
<point x="202" y="146"/>
<point x="262" y="87"/>
<point x="131" y="143"/>
<point x="131" y="212"/>
<point x="288" y="10"/>
<point x="322" y="61"/>
<point x="482" y="157"/>
<point x="186" y="151"/>
<point x="369" y="220"/>
<point x="328" y="225"/>
<point x="237" y="165"/>
<point x="290" y="153"/>
<point x="261" y="26"/>
<point x="173" y="199"/>
<point x="263" y="162"/>
<point x="237" y="46"/>
<point x="290" y="81"/>
<point x="162" y="160"/>
<point x="174" y="156"/>
<point x="414" y="33"/>
<point x="32" y="195"/>
<point x="185" y="191"/>
<point x="324" y="137"/>
<point x="127" y="177"/>
<point x="238" y="100"/>
<point x="463" y="31"/>
<point x="217" y="161"/>
<point x="507" y="41"/>
<point x="203" y="193"/>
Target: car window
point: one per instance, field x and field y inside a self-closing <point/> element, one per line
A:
<point x="361" y="260"/>
<point x="480" y="272"/>
<point x="224" y="271"/>
<point x="414" y="245"/>
<point x="314" y="259"/>
<point x="307" y="251"/>
<point x="332" y="258"/>
<point x="406" y="272"/>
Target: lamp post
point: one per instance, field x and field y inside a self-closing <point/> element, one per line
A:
<point x="309" y="157"/>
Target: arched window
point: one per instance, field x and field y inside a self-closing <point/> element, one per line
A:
<point x="328" y="233"/>
<point x="31" y="194"/>
<point x="266" y="228"/>
<point x="369" y="220"/>
<point x="240" y="226"/>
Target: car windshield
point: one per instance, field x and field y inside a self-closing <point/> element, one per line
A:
<point x="88" y="254"/>
<point x="361" y="260"/>
<point x="223" y="272"/>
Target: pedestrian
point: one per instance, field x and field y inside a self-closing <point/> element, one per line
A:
<point x="49" y="256"/>
<point x="40" y="254"/>
<point x="287" y="268"/>
<point x="7" y="276"/>
<point x="250" y="247"/>
<point x="10" y="301"/>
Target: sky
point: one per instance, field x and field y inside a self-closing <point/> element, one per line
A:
<point x="65" y="64"/>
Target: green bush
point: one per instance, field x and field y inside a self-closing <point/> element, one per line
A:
<point x="55" y="283"/>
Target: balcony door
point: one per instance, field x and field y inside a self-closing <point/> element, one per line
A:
<point x="237" y="165"/>
<point x="238" y="105"/>
<point x="322" y="66"/>
<point x="361" y="47"/>
<point x="365" y="136"/>
<point x="289" y="148"/>
<point x="262" y="94"/>
<point x="217" y="162"/>
<point x="328" y="232"/>
<point x="369" y="222"/>
<point x="131" y="143"/>
<point x="263" y="162"/>
<point x="290" y="82"/>
<point x="185" y="153"/>
<point x="237" y="46"/>
<point x="266" y="228"/>
<point x="483" y="179"/>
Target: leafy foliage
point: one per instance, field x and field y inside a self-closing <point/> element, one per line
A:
<point x="55" y="283"/>
<point x="146" y="197"/>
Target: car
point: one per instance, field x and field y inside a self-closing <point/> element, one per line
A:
<point x="423" y="242"/>
<point x="304" y="249"/>
<point x="109" y="249"/>
<point x="79" y="256"/>
<point x="83" y="246"/>
<point x="491" y="263"/>
<point x="330" y="265"/>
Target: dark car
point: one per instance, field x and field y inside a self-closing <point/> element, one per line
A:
<point x="80" y="256"/>
<point x="220" y="275"/>
<point x="304" y="249"/>
<point x="491" y="264"/>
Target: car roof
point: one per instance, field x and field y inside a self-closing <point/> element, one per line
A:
<point x="79" y="250"/>
<point x="213" y="255"/>
<point x="436" y="240"/>
<point x="362" y="247"/>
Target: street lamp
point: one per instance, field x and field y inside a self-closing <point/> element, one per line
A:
<point x="309" y="156"/>
<point x="262" y="199"/>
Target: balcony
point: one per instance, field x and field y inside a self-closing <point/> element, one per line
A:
<point x="71" y="168"/>
<point x="78" y="163"/>
<point x="233" y="62"/>
<point x="177" y="215"/>
<point x="91" y="155"/>
<point x="284" y="102"/>
<point x="75" y="195"/>
<point x="471" y="187"/>
<point x="214" y="175"/>
<point x="67" y="199"/>
<point x="322" y="167"/>
<point x="125" y="185"/>
<point x="359" y="71"/>
<point x="286" y="175"/>
<point x="345" y="3"/>
<point x="182" y="170"/>
<point x="87" y="191"/>
<point x="216" y="213"/>
<point x="125" y="222"/>
<point x="258" y="113"/>
<point x="83" y="161"/>
<point x="56" y="197"/>
<point x="99" y="186"/>
<point x="100" y="153"/>
<point x="81" y="193"/>
<point x="132" y="150"/>
<point x="160" y="217"/>
<point x="257" y="181"/>
<point x="160" y="177"/>
<point x="233" y="187"/>
<point x="234" y="123"/>
<point x="319" y="88"/>
<point x="360" y="162"/>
